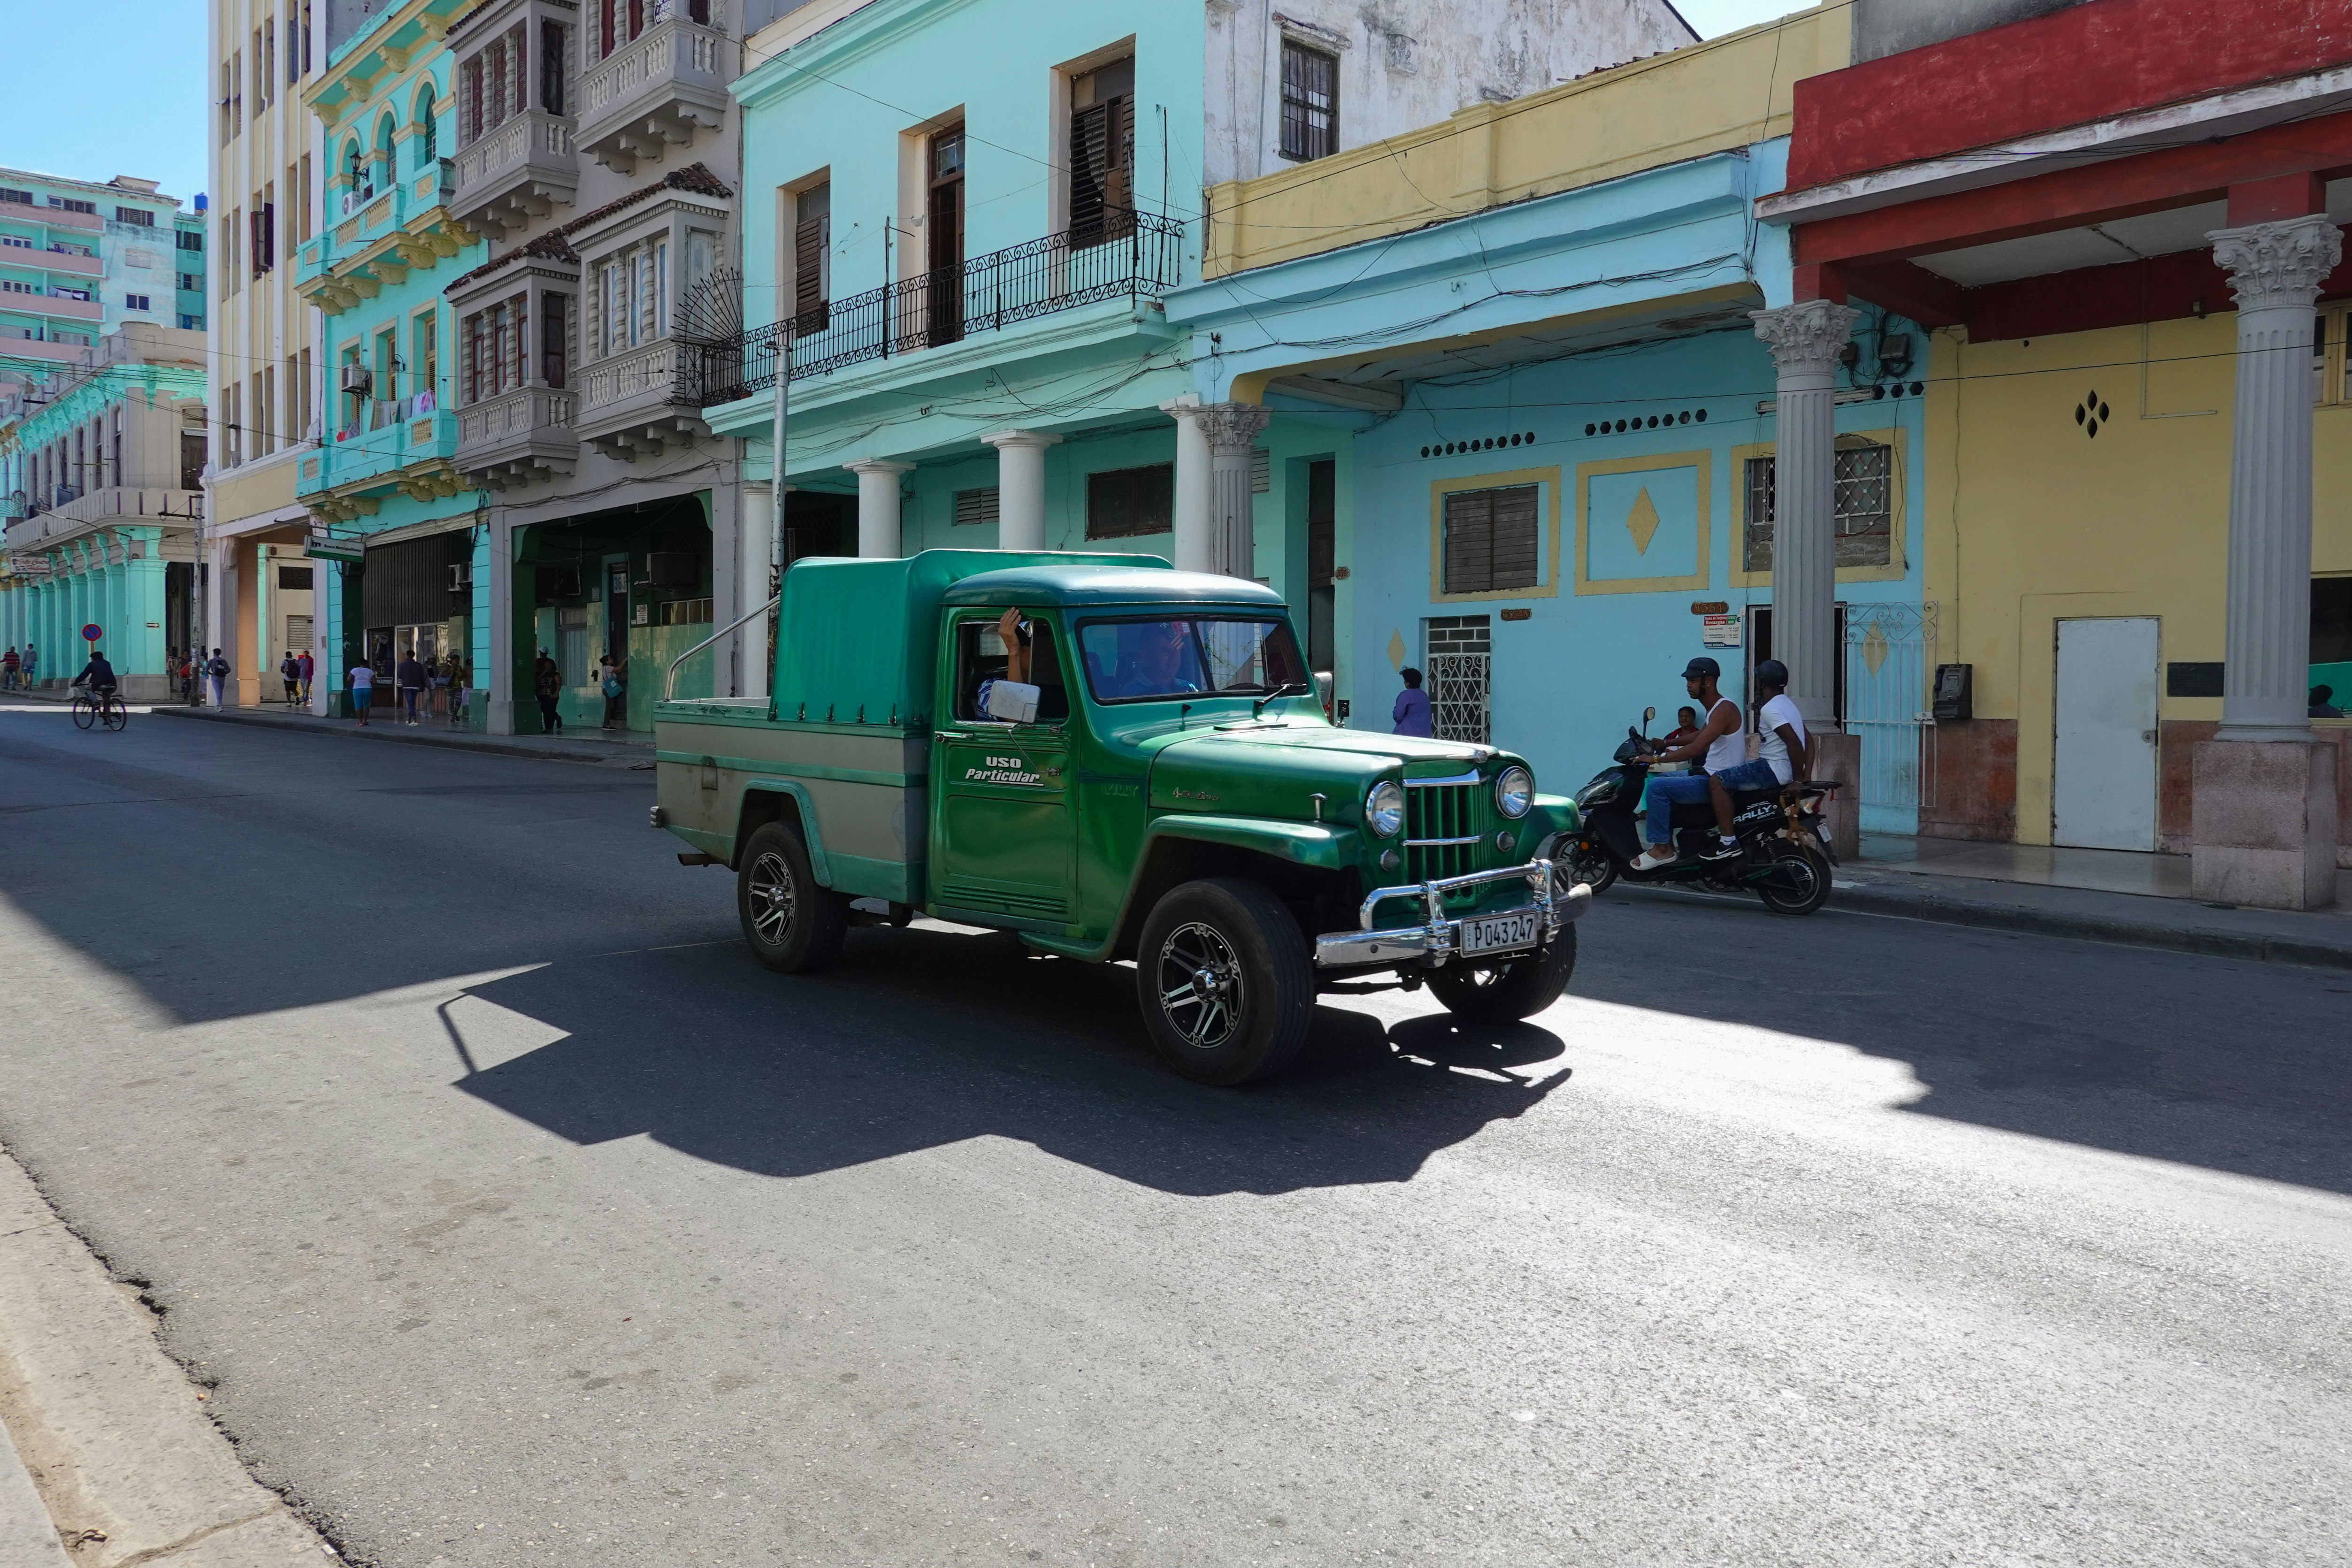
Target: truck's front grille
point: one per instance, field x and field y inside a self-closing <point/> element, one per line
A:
<point x="1444" y="823"/>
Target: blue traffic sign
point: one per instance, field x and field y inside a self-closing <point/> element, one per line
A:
<point x="93" y="632"/>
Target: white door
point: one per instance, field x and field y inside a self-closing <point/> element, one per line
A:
<point x="2104" y="795"/>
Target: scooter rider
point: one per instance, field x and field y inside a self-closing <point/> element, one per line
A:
<point x="1720" y="742"/>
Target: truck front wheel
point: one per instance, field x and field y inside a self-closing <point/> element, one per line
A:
<point x="1507" y="992"/>
<point x="1225" y="981"/>
<point x="792" y="924"/>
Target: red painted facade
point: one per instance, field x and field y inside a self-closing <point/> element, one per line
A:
<point x="2087" y="63"/>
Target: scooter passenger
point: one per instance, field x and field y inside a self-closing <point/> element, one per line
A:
<point x="1720" y="742"/>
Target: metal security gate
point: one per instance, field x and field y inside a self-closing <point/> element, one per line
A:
<point x="1890" y="651"/>
<point x="1458" y="697"/>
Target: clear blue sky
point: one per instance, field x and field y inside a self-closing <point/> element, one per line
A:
<point x="101" y="88"/>
<point x="149" y="116"/>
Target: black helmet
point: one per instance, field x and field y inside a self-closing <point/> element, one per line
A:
<point x="1772" y="673"/>
<point x="1701" y="666"/>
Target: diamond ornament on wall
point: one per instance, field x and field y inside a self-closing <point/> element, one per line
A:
<point x="1641" y="522"/>
<point x="1875" y="647"/>
<point x="1396" y="650"/>
<point x="2091" y="414"/>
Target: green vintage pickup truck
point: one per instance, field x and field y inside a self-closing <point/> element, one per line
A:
<point x="1169" y="790"/>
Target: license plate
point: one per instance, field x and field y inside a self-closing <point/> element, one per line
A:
<point x="1490" y="933"/>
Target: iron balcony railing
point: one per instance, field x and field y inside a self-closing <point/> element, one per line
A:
<point x="1121" y="254"/>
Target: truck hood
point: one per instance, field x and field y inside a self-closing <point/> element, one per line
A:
<point x="1274" y="770"/>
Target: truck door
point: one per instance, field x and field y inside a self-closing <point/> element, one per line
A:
<point x="1007" y="830"/>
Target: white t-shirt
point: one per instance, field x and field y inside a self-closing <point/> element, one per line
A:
<point x="363" y="678"/>
<point x="1775" y="751"/>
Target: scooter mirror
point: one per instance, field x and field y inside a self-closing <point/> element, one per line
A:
<point x="1648" y="714"/>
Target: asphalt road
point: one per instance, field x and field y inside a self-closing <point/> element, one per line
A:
<point x="524" y="1219"/>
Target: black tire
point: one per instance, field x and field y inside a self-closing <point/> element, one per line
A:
<point x="1225" y="982"/>
<point x="1507" y="992"/>
<point x="1596" y="868"/>
<point x="84" y="713"/>
<point x="116" y="714"/>
<point x="792" y="924"/>
<point x="1798" y="882"/>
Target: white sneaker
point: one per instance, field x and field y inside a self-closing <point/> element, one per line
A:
<point x="1655" y="856"/>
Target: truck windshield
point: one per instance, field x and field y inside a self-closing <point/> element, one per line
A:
<point x="1136" y="661"/>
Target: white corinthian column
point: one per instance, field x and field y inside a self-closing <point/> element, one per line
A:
<point x="2262" y="795"/>
<point x="2276" y="269"/>
<point x="1232" y="428"/>
<point x="1806" y="339"/>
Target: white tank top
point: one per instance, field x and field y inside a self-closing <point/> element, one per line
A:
<point x="1727" y="750"/>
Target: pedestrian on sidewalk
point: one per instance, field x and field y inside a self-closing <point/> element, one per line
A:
<point x="32" y="677"/>
<point x="290" y="672"/>
<point x="362" y="692"/>
<point x="304" y="666"/>
<point x="461" y="681"/>
<point x="11" y="667"/>
<point x="217" y="670"/>
<point x="192" y="669"/>
<point x="615" y="684"/>
<point x="410" y="678"/>
<point x="437" y="670"/>
<point x="1410" y="714"/>
<point x="547" y="685"/>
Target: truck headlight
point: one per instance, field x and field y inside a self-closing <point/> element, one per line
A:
<point x="1515" y="791"/>
<point x="1384" y="807"/>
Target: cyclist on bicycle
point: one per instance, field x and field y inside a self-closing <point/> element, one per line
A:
<point x="97" y="676"/>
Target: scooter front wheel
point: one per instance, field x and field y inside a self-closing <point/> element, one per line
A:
<point x="1591" y="866"/>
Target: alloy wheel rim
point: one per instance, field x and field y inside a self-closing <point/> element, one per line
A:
<point x="774" y="898"/>
<point x="1200" y="991"/>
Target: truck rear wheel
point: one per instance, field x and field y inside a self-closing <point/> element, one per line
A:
<point x="1505" y="993"/>
<point x="792" y="924"/>
<point x="1225" y="981"/>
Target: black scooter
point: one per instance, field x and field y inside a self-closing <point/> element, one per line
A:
<point x="1784" y="856"/>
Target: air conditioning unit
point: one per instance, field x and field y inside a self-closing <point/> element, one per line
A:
<point x="461" y="576"/>
<point x="358" y="379"/>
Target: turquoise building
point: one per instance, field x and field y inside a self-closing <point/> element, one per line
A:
<point x="1531" y="448"/>
<point x="403" y="558"/>
<point x="974" y="217"/>
<point x="108" y="458"/>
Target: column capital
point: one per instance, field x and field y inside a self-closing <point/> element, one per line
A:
<point x="2281" y="263"/>
<point x="1807" y="335"/>
<point x="1034" y="438"/>
<point x="879" y="466"/>
<point x="1233" y="424"/>
<point x="1185" y="405"/>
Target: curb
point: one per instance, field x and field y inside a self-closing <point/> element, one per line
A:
<point x="1868" y="899"/>
<point x="446" y="743"/>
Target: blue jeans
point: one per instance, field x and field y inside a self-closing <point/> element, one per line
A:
<point x="1663" y="790"/>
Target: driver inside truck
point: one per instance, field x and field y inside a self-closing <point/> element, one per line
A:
<point x="1152" y="660"/>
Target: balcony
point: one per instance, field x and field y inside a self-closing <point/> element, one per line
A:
<point x="1138" y="259"/>
<point x="653" y="94"/>
<point x="111" y="506"/>
<point x="516" y="173"/>
<point x="634" y="403"/>
<point x="406" y="226"/>
<point x="54" y="258"/>
<point x="409" y="452"/>
<point x="51" y="304"/>
<point x="518" y="437"/>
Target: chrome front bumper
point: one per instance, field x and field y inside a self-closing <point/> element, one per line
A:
<point x="1441" y="937"/>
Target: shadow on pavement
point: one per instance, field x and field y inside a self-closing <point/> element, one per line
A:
<point x="925" y="1038"/>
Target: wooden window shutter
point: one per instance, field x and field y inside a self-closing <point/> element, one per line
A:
<point x="810" y="238"/>
<point x="1469" y="541"/>
<point x="1517" y="558"/>
<point x="554" y="338"/>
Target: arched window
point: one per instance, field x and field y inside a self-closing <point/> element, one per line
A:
<point x="427" y="128"/>
<point x="387" y="169"/>
<point x="359" y="177"/>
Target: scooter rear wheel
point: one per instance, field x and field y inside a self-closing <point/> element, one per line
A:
<point x="1798" y="882"/>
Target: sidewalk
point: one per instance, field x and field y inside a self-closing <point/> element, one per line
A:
<point x="107" y="1457"/>
<point x="630" y="749"/>
<point x="2099" y="896"/>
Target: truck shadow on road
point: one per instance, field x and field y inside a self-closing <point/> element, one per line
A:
<point x="923" y="1038"/>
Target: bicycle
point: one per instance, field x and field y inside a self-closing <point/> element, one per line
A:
<point x="104" y="707"/>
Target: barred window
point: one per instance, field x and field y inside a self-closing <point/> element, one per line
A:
<point x="1124" y="501"/>
<point x="1311" y="101"/>
<point x="1491" y="540"/>
<point x="1864" y="506"/>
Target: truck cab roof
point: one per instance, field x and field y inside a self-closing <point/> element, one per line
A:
<point x="1075" y="586"/>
